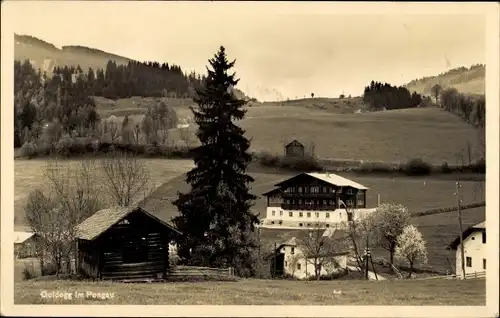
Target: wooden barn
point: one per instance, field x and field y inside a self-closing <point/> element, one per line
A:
<point x="294" y="149"/>
<point x="124" y="243"/>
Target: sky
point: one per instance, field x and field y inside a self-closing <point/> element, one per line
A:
<point x="294" y="49"/>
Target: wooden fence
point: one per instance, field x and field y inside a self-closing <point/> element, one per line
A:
<point x="454" y="276"/>
<point x="203" y="273"/>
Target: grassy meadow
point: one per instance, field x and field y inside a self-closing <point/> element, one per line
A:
<point x="334" y="127"/>
<point x="266" y="292"/>
<point x="418" y="194"/>
<point x="338" y="131"/>
<point x="29" y="175"/>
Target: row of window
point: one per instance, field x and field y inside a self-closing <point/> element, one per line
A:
<point x="317" y="202"/>
<point x="300" y="224"/>
<point x="468" y="262"/>
<point x="314" y="189"/>
<point x="301" y="214"/>
<point x="299" y="266"/>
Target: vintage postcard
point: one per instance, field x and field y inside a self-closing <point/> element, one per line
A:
<point x="275" y="159"/>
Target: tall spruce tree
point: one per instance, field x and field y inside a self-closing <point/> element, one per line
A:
<point x="215" y="215"/>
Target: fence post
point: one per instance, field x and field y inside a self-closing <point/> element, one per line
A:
<point x="475" y="274"/>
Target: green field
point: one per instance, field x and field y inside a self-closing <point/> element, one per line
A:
<point x="28" y="175"/>
<point x="438" y="230"/>
<point x="335" y="129"/>
<point x="267" y="292"/>
<point x="418" y="194"/>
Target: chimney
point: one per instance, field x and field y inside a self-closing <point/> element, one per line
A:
<point x="327" y="173"/>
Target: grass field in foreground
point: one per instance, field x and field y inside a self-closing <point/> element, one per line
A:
<point x="267" y="292"/>
<point x="337" y="130"/>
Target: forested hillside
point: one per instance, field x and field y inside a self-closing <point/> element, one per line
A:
<point x="465" y="80"/>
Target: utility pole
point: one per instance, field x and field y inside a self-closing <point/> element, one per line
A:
<point x="275" y="259"/>
<point x="367" y="255"/>
<point x="462" y="253"/>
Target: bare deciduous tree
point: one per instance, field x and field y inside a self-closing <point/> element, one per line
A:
<point x="358" y="230"/>
<point x="73" y="196"/>
<point x="292" y="261"/>
<point x="114" y="132"/>
<point x="126" y="178"/>
<point x="318" y="249"/>
<point x="136" y="137"/>
<point x="76" y="194"/>
<point x="436" y="90"/>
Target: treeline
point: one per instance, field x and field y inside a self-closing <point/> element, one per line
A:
<point x="51" y="114"/>
<point x="146" y="79"/>
<point x="40" y="101"/>
<point x="464" y="72"/>
<point x="385" y="96"/>
<point x="471" y="108"/>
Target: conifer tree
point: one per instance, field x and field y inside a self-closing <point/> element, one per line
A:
<point x="215" y="215"/>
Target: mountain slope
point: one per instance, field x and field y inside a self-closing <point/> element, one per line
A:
<point x="465" y="80"/>
<point x="46" y="56"/>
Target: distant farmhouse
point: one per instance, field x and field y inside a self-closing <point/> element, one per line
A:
<point x="475" y="251"/>
<point x="290" y="260"/>
<point x="294" y="149"/>
<point x="310" y="198"/>
<point x="25" y="244"/>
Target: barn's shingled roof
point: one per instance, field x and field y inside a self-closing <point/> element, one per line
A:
<point x="294" y="142"/>
<point x="102" y="220"/>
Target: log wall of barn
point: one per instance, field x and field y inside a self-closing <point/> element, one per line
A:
<point x="88" y="258"/>
<point x="134" y="248"/>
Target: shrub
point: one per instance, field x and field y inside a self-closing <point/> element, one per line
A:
<point x="416" y="167"/>
<point x="63" y="146"/>
<point x="479" y="166"/>
<point x="307" y="163"/>
<point x="49" y="269"/>
<point x="376" y="167"/>
<point x="29" y="271"/>
<point x="28" y="150"/>
<point x="268" y="160"/>
<point x="445" y="168"/>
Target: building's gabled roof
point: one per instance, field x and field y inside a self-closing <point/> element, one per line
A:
<point x="332" y="179"/>
<point x="480" y="227"/>
<point x="20" y="237"/>
<point x="102" y="220"/>
<point x="337" y="180"/>
<point x="294" y="142"/>
<point x="290" y="242"/>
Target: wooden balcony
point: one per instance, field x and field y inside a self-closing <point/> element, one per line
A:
<point x="308" y="195"/>
<point x="308" y="207"/>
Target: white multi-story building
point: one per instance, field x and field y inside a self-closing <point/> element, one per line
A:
<point x="310" y="198"/>
<point x="475" y="251"/>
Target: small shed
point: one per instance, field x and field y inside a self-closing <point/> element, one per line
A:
<point x="124" y="243"/>
<point x="294" y="149"/>
<point x="24" y="244"/>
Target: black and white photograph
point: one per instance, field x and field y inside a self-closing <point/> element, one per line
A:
<point x="212" y="158"/>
